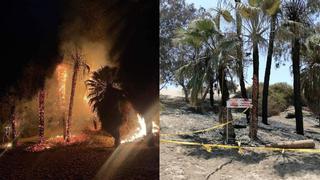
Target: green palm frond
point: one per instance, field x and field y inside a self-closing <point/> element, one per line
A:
<point x="227" y="44"/>
<point x="247" y="11"/>
<point x="203" y="27"/>
<point x="227" y="15"/>
<point x="185" y="37"/>
<point x="254" y="3"/>
<point x="185" y="71"/>
<point x="310" y="74"/>
<point x="313" y="43"/>
<point x="271" y="7"/>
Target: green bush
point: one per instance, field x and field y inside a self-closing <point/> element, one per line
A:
<point x="279" y="99"/>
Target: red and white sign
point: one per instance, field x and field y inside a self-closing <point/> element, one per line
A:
<point x="239" y="103"/>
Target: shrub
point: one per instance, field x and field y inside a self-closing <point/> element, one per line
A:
<point x="279" y="99"/>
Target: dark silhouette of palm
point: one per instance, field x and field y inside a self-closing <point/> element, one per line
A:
<point x="106" y="99"/>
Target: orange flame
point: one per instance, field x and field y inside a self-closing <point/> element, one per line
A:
<point x="155" y="127"/>
<point x="141" y="130"/>
<point x="62" y="78"/>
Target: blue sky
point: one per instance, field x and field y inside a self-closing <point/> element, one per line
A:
<point x="281" y="74"/>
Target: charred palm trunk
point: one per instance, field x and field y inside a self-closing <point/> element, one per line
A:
<point x="211" y="93"/>
<point x="203" y="98"/>
<point x="267" y="72"/>
<point x="223" y="109"/>
<point x="296" y="85"/>
<point x="186" y="92"/>
<point x="41" y="115"/>
<point x="73" y="88"/>
<point x="240" y="59"/>
<point x="223" y="85"/>
<point x="13" y="123"/>
<point x="255" y="93"/>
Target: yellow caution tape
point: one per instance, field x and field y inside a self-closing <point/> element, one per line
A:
<point x="204" y="130"/>
<point x="209" y="147"/>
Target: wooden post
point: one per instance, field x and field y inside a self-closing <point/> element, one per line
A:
<point x="227" y="130"/>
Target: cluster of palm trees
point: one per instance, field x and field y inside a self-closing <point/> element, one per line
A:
<point x="219" y="54"/>
<point x="79" y="63"/>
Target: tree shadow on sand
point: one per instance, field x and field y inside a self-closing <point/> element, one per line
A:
<point x="286" y="163"/>
<point x="247" y="158"/>
<point x="289" y="163"/>
<point x="283" y="163"/>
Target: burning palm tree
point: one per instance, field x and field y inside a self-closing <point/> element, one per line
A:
<point x="106" y="98"/>
<point x="41" y="114"/>
<point x="62" y="78"/>
<point x="79" y="63"/>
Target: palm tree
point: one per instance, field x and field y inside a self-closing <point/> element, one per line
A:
<point x="240" y="57"/>
<point x="212" y="61"/>
<point x="12" y="100"/>
<point x="267" y="71"/>
<point x="310" y="74"/>
<point x="265" y="92"/>
<point x="79" y="62"/>
<point x="13" y="122"/>
<point x="41" y="114"/>
<point x="256" y="15"/>
<point x="296" y="14"/>
<point x="255" y="30"/>
<point x="105" y="95"/>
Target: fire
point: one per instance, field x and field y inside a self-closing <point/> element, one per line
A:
<point x="155" y="127"/>
<point x="9" y="145"/>
<point x="62" y="78"/>
<point x="86" y="99"/>
<point x="141" y="130"/>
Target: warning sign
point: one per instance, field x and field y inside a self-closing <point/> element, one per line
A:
<point x="238" y="103"/>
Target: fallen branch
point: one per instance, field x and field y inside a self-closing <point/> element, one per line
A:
<point x="219" y="168"/>
<point x="302" y="144"/>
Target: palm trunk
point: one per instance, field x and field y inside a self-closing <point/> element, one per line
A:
<point x="73" y="88"/>
<point x="13" y="122"/>
<point x="267" y="72"/>
<point x="224" y="88"/>
<point x="223" y="110"/>
<point x="255" y="93"/>
<point x="296" y="85"/>
<point x="186" y="92"/>
<point x="211" y="92"/>
<point x="64" y="123"/>
<point x="240" y="59"/>
<point x="203" y="98"/>
<point x="41" y="115"/>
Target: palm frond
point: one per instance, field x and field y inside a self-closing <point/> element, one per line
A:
<point x="247" y="11"/>
<point x="271" y="7"/>
<point x="98" y="83"/>
<point x="227" y="15"/>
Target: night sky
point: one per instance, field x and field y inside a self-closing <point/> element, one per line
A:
<point x="29" y="36"/>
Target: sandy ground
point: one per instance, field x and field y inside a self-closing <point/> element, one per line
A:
<point x="91" y="159"/>
<point x="173" y="92"/>
<point x="189" y="162"/>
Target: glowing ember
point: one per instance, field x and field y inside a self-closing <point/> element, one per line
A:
<point x="141" y="130"/>
<point x="62" y="78"/>
<point x="155" y="127"/>
<point x="57" y="141"/>
<point x="9" y="145"/>
<point x="38" y="147"/>
<point x="86" y="99"/>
